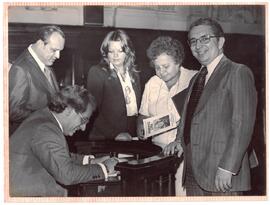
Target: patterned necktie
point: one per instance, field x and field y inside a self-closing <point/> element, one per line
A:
<point x="47" y="73"/>
<point x="193" y="101"/>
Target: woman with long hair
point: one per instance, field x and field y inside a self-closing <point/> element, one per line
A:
<point x="115" y="84"/>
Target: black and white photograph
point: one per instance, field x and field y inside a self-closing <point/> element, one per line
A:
<point x="134" y="101"/>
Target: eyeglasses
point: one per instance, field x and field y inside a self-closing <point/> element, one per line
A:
<point x="84" y="120"/>
<point x="205" y="39"/>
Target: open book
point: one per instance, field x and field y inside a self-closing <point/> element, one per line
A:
<point x="158" y="124"/>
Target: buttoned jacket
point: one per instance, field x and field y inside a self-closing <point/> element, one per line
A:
<point x="222" y="125"/>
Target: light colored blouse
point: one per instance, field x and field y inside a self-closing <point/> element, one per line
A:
<point x="129" y="93"/>
<point x="157" y="100"/>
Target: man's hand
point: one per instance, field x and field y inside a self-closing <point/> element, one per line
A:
<point x="110" y="164"/>
<point x="223" y="180"/>
<point x="123" y="136"/>
<point x="172" y="148"/>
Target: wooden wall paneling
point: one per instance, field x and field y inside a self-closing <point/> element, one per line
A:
<point x="93" y="15"/>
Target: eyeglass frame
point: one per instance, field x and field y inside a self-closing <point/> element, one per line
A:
<point x="84" y="120"/>
<point x="207" y="36"/>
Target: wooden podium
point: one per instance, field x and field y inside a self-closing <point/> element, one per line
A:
<point x="148" y="173"/>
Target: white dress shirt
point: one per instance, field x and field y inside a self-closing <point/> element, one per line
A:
<point x="34" y="55"/>
<point x="211" y="67"/>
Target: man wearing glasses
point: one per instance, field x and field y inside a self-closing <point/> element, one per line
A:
<point x="40" y="161"/>
<point x="218" y="118"/>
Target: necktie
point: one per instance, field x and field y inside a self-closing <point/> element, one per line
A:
<point x="193" y="101"/>
<point x="47" y="73"/>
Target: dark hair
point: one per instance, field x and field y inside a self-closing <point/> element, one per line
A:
<point x="46" y="31"/>
<point x="127" y="46"/>
<point x="75" y="96"/>
<point x="168" y="45"/>
<point x="215" y="26"/>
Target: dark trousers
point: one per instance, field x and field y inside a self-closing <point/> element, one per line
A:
<point x="192" y="187"/>
<point x="131" y="125"/>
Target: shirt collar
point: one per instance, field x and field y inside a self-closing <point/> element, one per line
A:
<point x="111" y="66"/>
<point x="211" y="67"/>
<point x="34" y="55"/>
<point x="57" y="121"/>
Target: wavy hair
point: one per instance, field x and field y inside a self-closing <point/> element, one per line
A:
<point x="127" y="47"/>
<point x="75" y="96"/>
<point x="168" y="45"/>
<point x="46" y="31"/>
<point x="215" y="26"/>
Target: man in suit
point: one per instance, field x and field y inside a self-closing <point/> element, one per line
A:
<point x="32" y="82"/>
<point x="215" y="134"/>
<point x="40" y="161"/>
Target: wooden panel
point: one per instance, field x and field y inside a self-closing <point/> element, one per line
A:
<point x="93" y="15"/>
<point x="60" y="15"/>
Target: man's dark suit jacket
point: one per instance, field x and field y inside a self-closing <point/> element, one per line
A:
<point x="29" y="89"/>
<point x="40" y="159"/>
<point x="222" y="126"/>
<point x="179" y="100"/>
<point x="112" y="117"/>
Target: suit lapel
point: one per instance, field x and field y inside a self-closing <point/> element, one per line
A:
<point x="137" y="88"/>
<point x="212" y="83"/>
<point x="117" y="84"/>
<point x="183" y="117"/>
<point x="54" y="85"/>
<point x="45" y="113"/>
<point x="41" y="78"/>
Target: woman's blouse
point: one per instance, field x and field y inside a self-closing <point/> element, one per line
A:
<point x="157" y="100"/>
<point x="129" y="93"/>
